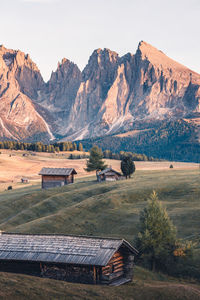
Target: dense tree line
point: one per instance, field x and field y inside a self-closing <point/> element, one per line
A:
<point x="69" y="146"/>
<point x="174" y="140"/>
<point x="121" y="154"/>
<point x="40" y="147"/>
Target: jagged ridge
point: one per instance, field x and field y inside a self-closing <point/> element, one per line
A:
<point x="113" y="94"/>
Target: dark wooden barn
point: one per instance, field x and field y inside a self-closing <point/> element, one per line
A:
<point x="72" y="258"/>
<point x="109" y="175"/>
<point x="56" y="177"/>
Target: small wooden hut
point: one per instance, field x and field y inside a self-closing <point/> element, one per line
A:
<point x="109" y="175"/>
<point x="81" y="259"/>
<point x="56" y="177"/>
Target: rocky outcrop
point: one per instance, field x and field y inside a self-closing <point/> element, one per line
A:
<point x="60" y="91"/>
<point x="112" y="94"/>
<point x="97" y="79"/>
<point x="20" y="81"/>
<point x="117" y="93"/>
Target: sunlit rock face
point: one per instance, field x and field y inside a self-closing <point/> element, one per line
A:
<point x="115" y="93"/>
<point x="20" y="81"/>
<point x="60" y="91"/>
<point x="112" y="94"/>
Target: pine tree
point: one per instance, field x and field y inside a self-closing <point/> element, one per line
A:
<point x="127" y="166"/>
<point x="95" y="161"/>
<point x="80" y="147"/>
<point x="74" y="146"/>
<point x="157" y="237"/>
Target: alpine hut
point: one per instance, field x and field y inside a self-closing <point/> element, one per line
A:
<point x="109" y="175"/>
<point x="56" y="177"/>
<point x="81" y="259"/>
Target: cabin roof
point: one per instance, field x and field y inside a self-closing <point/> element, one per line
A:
<point x="108" y="170"/>
<point x="68" y="249"/>
<point x="57" y="171"/>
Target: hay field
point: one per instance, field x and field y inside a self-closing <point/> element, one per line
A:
<point x="14" y="165"/>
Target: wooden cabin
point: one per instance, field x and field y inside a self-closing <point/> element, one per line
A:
<point x="80" y="259"/>
<point x="56" y="177"/>
<point x="109" y="175"/>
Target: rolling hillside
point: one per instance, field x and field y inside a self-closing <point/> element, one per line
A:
<point x="103" y="209"/>
<point x="145" y="286"/>
<point x="109" y="209"/>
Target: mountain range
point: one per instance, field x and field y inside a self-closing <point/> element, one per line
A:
<point x="133" y="96"/>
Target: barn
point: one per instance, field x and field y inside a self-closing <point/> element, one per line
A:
<point x="56" y="177"/>
<point x="81" y="259"/>
<point x="109" y="175"/>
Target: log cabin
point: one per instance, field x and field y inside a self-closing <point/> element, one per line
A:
<point x="57" y="177"/>
<point x="109" y="175"/>
<point x="80" y="259"/>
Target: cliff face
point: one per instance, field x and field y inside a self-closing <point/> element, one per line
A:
<point x="112" y="94"/>
<point x="162" y="85"/>
<point x="97" y="79"/>
<point x="20" y="81"/>
<point x="60" y="91"/>
<point x="117" y="93"/>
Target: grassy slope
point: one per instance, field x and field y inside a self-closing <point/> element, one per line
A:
<point x="146" y="286"/>
<point x="108" y="209"/>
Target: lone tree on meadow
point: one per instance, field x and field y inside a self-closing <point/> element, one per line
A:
<point x="95" y="161"/>
<point x="127" y="166"/>
<point x="157" y="237"/>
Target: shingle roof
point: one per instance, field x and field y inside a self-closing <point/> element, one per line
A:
<point x="60" y="248"/>
<point x="109" y="170"/>
<point x="57" y="171"/>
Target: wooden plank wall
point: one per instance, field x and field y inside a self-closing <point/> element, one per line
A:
<point x="52" y="178"/>
<point x="114" y="269"/>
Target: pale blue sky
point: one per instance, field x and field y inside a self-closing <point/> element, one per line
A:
<point x="52" y="29"/>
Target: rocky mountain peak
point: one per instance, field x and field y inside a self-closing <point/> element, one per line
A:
<point x="102" y="64"/>
<point x="112" y="94"/>
<point x="60" y="91"/>
<point x="21" y="68"/>
<point x="101" y="56"/>
<point x="20" y="81"/>
<point x="160" y="60"/>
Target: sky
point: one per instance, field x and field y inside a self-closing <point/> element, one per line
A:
<point x="50" y="30"/>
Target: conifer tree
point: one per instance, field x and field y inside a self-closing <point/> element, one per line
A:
<point x="80" y="147"/>
<point x="156" y="239"/>
<point x="95" y="161"/>
<point x="127" y="166"/>
<point x="74" y="146"/>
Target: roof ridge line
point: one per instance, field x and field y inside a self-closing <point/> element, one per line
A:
<point x="59" y="234"/>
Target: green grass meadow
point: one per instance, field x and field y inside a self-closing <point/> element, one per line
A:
<point x="109" y="209"/>
<point x="104" y="209"/>
<point x="145" y="286"/>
